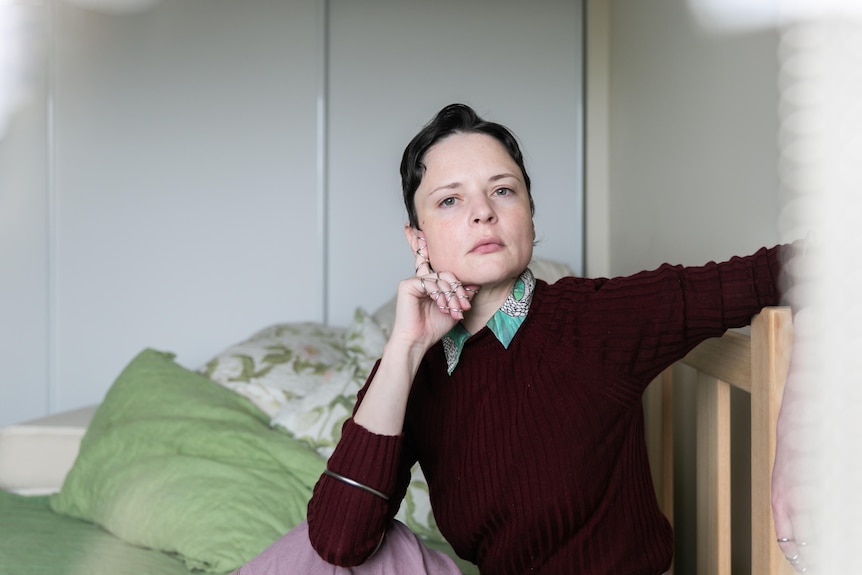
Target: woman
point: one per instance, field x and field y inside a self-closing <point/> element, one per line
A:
<point x="521" y="400"/>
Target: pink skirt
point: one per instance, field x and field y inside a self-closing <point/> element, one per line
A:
<point x="401" y="552"/>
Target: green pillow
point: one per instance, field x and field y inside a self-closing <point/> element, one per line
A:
<point x="175" y="462"/>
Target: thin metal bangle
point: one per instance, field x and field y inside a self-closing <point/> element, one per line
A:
<point x="353" y="483"/>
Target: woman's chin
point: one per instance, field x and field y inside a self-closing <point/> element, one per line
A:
<point x="488" y="276"/>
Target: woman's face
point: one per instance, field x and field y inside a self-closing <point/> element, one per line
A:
<point x="474" y="210"/>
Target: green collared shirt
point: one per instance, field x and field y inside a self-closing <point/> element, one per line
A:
<point x="503" y="324"/>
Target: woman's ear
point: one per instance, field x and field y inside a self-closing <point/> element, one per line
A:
<point x="413" y="236"/>
<point x="416" y="240"/>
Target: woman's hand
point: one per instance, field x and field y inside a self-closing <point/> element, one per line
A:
<point x="430" y="303"/>
<point x="794" y="472"/>
<point x="791" y="493"/>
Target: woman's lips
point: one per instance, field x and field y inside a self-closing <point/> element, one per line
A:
<point x="487" y="246"/>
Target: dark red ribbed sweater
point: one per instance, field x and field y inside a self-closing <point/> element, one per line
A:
<point x="535" y="455"/>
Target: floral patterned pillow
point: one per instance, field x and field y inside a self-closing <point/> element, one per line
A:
<point x="305" y="376"/>
<point x="281" y="363"/>
<point x="317" y="417"/>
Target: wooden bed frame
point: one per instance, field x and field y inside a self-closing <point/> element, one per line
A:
<point x="756" y="364"/>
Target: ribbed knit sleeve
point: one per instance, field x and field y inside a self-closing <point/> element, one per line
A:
<point x="346" y="523"/>
<point x="645" y="322"/>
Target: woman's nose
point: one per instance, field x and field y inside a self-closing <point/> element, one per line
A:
<point x="483" y="213"/>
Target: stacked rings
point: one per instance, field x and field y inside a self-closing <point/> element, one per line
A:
<point x="795" y="560"/>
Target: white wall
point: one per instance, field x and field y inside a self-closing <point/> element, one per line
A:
<point x="694" y="137"/>
<point x="692" y="169"/>
<point x="172" y="183"/>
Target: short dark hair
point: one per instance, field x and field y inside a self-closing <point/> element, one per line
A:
<point x="453" y="119"/>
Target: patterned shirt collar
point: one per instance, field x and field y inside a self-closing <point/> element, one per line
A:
<point x="503" y="324"/>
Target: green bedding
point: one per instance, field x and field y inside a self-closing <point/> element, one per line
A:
<point x="36" y="541"/>
<point x="175" y="474"/>
<point x="174" y="462"/>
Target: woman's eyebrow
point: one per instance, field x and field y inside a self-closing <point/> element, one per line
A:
<point x="503" y="176"/>
<point x="451" y="186"/>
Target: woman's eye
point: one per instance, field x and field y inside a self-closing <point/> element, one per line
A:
<point x="504" y="191"/>
<point x="448" y="202"/>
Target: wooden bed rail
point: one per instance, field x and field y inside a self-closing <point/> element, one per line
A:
<point x="756" y="364"/>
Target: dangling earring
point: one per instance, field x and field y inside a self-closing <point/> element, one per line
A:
<point x="425" y="260"/>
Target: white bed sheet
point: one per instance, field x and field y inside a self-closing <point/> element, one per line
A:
<point x="36" y="455"/>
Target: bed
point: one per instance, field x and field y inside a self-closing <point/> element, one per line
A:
<point x="183" y="470"/>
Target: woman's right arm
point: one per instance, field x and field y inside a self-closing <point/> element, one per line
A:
<point x="368" y="473"/>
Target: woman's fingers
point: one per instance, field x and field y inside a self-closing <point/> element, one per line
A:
<point x="448" y="295"/>
<point x="787" y="539"/>
<point x="794" y="552"/>
<point x="793" y="525"/>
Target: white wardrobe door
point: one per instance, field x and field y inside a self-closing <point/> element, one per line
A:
<point x="185" y="149"/>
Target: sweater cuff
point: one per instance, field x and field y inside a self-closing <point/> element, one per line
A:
<point x="755" y="278"/>
<point x="367" y="458"/>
